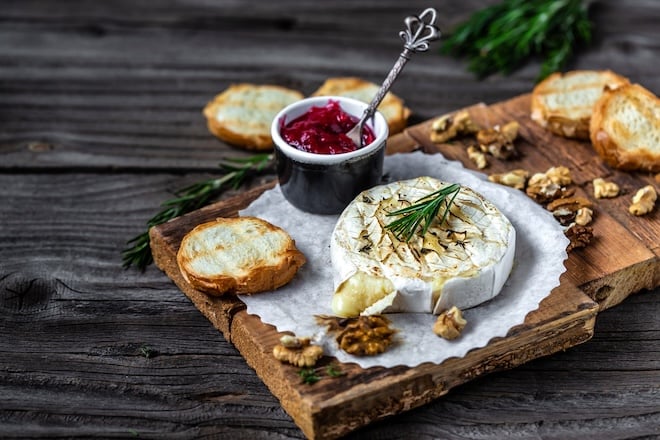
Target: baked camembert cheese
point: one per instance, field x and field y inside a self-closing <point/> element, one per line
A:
<point x="462" y="262"/>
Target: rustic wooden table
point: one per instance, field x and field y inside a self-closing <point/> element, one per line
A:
<point x="100" y="120"/>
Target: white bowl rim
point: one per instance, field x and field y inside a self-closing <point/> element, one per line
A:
<point x="379" y="127"/>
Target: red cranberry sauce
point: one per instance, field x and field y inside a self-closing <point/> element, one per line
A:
<point x="322" y="130"/>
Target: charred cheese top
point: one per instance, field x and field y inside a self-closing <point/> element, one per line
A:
<point x="462" y="262"/>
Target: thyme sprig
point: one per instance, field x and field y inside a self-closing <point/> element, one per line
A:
<point x="312" y="375"/>
<point x="501" y="37"/>
<point x="422" y="212"/>
<point x="236" y="170"/>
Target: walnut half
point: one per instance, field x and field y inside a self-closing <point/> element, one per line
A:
<point x="643" y="201"/>
<point x="366" y="336"/>
<point x="515" y="178"/>
<point x="499" y="140"/>
<point x="447" y="127"/>
<point x="450" y="323"/>
<point x="579" y="236"/>
<point x="603" y="189"/>
<point x="297" y="351"/>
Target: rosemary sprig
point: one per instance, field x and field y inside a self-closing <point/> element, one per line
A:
<point x="501" y="37"/>
<point x="424" y="210"/>
<point x="236" y="170"/>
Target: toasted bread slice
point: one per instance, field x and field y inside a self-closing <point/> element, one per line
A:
<point x="243" y="113"/>
<point x="392" y="107"/>
<point x="563" y="102"/>
<point x="240" y="255"/>
<point x="625" y="128"/>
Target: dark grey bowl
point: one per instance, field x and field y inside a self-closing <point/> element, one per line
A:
<point x="327" y="183"/>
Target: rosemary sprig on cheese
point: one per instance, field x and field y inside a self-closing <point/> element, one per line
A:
<point x="422" y="212"/>
<point x="236" y="171"/>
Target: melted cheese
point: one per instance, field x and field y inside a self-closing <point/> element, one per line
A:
<point x="462" y="262"/>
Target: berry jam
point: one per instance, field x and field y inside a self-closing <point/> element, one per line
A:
<point x="322" y="130"/>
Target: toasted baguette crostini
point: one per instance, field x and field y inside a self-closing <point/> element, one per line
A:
<point x="243" y="113"/>
<point x="392" y="107"/>
<point x="625" y="128"/>
<point x="240" y="255"/>
<point x="563" y="102"/>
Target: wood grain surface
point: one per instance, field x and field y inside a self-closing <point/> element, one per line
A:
<point x="100" y="121"/>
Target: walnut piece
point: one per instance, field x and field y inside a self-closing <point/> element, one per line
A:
<point x="290" y="341"/>
<point x="560" y="175"/>
<point x="643" y="201"/>
<point x="565" y="209"/>
<point x="477" y="157"/>
<point x="498" y="140"/>
<point x="573" y="203"/>
<point x="448" y="127"/>
<point x="584" y="216"/>
<point x="297" y="351"/>
<point x="548" y="186"/>
<point x="515" y="178"/>
<point x="450" y="323"/>
<point x="579" y="236"/>
<point x="603" y="189"/>
<point x="542" y="189"/>
<point x="366" y="335"/>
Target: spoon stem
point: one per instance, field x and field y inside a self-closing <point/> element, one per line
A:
<point x="419" y="31"/>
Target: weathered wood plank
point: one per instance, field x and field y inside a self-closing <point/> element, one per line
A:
<point x="77" y="92"/>
<point x="100" y="121"/>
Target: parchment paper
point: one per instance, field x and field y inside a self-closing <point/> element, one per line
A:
<point x="538" y="263"/>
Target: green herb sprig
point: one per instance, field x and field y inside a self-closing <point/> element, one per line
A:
<point x="422" y="212"/>
<point x="501" y="37"/>
<point x="310" y="375"/>
<point x="138" y="252"/>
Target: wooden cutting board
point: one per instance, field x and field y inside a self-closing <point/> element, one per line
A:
<point x="623" y="258"/>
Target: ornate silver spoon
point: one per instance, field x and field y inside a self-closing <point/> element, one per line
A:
<point x="419" y="31"/>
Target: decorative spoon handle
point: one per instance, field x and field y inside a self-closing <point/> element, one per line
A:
<point x="420" y="30"/>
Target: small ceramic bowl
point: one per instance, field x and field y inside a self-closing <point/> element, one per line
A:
<point x="327" y="183"/>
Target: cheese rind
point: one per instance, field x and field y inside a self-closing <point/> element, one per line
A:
<point x="462" y="262"/>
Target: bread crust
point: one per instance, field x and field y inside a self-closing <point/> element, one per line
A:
<point x="257" y="277"/>
<point x="559" y="120"/>
<point x="395" y="112"/>
<point x="260" y="141"/>
<point x="625" y="157"/>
